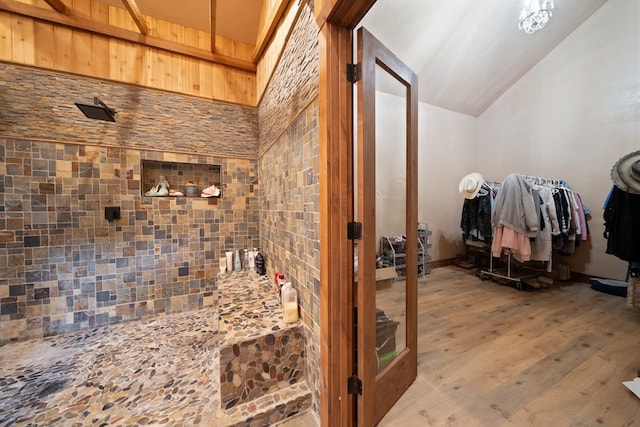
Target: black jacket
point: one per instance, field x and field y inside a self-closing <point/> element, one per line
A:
<point x="622" y="224"/>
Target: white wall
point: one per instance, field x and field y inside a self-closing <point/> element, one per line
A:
<point x="446" y="152"/>
<point x="572" y="117"/>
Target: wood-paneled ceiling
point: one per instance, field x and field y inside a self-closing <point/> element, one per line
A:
<point x="251" y="22"/>
<point x="234" y="19"/>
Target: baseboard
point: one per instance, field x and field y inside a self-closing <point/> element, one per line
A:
<point x="584" y="278"/>
<point x="441" y="262"/>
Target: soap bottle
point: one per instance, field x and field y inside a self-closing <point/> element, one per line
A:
<point x="261" y="269"/>
<point x="289" y="303"/>
<point x="238" y="265"/>
<point x="252" y="259"/>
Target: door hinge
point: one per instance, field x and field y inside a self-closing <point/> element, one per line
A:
<point x="354" y="385"/>
<point x="354" y="230"/>
<point x="354" y="72"/>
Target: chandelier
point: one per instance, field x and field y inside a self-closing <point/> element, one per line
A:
<point x="535" y="15"/>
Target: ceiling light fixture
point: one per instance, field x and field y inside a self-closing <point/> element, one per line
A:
<point x="98" y="110"/>
<point x="535" y="15"/>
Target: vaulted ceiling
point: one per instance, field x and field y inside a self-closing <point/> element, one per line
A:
<point x="466" y="53"/>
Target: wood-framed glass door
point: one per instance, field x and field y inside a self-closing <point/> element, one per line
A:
<point x="386" y="206"/>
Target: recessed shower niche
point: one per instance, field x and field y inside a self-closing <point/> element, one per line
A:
<point x="190" y="179"/>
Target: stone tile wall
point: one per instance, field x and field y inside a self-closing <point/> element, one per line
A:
<point x="39" y="104"/>
<point x="289" y="179"/>
<point x="295" y="81"/>
<point x="64" y="267"/>
<point x="260" y="366"/>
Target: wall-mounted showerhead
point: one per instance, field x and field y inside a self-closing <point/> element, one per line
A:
<point x="98" y="110"/>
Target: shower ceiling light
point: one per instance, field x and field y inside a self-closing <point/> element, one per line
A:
<point x="98" y="110"/>
<point x="535" y="15"/>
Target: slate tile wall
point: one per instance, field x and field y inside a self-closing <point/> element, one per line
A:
<point x="39" y="104"/>
<point x="289" y="179"/>
<point x="64" y="267"/>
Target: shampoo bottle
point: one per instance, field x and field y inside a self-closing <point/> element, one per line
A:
<point x="238" y="264"/>
<point x="259" y="261"/>
<point x="252" y="258"/>
<point x="289" y="303"/>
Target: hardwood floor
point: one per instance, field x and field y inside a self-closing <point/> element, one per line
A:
<point x="490" y="355"/>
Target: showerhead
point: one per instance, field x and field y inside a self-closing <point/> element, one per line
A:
<point x="98" y="110"/>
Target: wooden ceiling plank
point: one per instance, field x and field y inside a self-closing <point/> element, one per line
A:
<point x="212" y="22"/>
<point x="86" y="24"/>
<point x="59" y="6"/>
<point x="135" y="13"/>
<point x="268" y="28"/>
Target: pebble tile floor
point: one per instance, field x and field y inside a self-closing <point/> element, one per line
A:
<point x="159" y="371"/>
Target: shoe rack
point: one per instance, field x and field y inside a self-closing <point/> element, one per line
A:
<point x="393" y="252"/>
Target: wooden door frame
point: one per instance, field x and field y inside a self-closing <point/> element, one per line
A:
<point x="336" y="20"/>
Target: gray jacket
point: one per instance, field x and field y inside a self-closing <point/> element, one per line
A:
<point x="514" y="206"/>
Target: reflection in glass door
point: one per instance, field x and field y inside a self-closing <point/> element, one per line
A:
<point x="386" y="206"/>
<point x="390" y="218"/>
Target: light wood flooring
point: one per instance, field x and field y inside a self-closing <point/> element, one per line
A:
<point x="490" y="355"/>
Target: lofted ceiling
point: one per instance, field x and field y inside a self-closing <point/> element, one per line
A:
<point x="235" y="19"/>
<point x="468" y="53"/>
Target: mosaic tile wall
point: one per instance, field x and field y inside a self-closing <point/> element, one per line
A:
<point x="39" y="104"/>
<point x="64" y="267"/>
<point x="289" y="180"/>
<point x="295" y="81"/>
<point x="260" y="366"/>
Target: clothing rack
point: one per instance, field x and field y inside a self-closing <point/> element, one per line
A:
<point x="484" y="274"/>
<point x="545" y="181"/>
<point x="507" y="273"/>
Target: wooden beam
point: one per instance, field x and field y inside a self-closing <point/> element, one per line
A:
<point x="134" y="11"/>
<point x="213" y="11"/>
<point x="81" y="23"/>
<point x="59" y="6"/>
<point x="267" y="30"/>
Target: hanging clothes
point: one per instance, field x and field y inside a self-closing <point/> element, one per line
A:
<point x="509" y="241"/>
<point x="622" y="224"/>
<point x="541" y="246"/>
<point x="515" y="208"/>
<point x="476" y="218"/>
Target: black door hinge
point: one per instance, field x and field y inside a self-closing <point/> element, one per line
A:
<point x="354" y="385"/>
<point x="354" y="72"/>
<point x="354" y="230"/>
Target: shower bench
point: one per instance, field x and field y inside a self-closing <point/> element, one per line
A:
<point x="261" y="358"/>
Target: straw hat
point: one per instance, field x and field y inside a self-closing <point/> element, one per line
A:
<point x="625" y="174"/>
<point x="470" y="185"/>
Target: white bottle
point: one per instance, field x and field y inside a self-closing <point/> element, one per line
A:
<point x="229" y="255"/>
<point x="289" y="303"/>
<point x="252" y="259"/>
<point x="238" y="264"/>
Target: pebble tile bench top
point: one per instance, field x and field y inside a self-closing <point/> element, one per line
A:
<point x="160" y="371"/>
